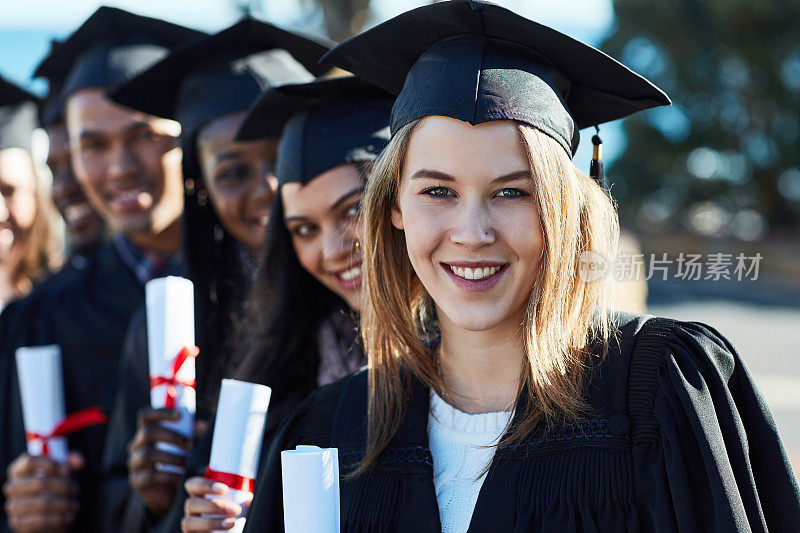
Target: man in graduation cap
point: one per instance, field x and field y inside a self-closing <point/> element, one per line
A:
<point x="85" y="229"/>
<point x="128" y="165"/>
<point x="207" y="85"/>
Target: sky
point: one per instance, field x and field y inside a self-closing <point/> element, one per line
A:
<point x="27" y="27"/>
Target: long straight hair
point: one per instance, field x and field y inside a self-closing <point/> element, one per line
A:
<point x="276" y="342"/>
<point x="42" y="251"/>
<point x="220" y="279"/>
<point x="564" y="312"/>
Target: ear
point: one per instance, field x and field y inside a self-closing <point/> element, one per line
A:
<point x="397" y="217"/>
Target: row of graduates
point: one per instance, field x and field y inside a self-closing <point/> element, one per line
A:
<point x="617" y="421"/>
<point x="192" y="201"/>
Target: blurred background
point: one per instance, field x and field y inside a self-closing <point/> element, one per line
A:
<point x="714" y="177"/>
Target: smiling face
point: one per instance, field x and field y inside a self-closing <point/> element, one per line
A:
<point x="17" y="200"/>
<point x="84" y="225"/>
<point x="322" y="217"/>
<point x="467" y="205"/>
<point x="127" y="163"/>
<point x="239" y="178"/>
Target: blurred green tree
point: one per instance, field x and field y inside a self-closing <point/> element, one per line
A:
<point x="730" y="143"/>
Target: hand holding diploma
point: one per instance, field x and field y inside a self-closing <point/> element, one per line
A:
<point x="156" y="486"/>
<point x="40" y="493"/>
<point x="219" y="501"/>
<point x="157" y="453"/>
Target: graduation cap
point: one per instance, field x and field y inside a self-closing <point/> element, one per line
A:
<point x="222" y="73"/>
<point x="325" y="123"/>
<point x="51" y="110"/>
<point x="18" y="116"/>
<point x="109" y="48"/>
<point x="477" y="62"/>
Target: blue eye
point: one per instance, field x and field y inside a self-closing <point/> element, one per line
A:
<point x="512" y="193"/>
<point x="438" y="192"/>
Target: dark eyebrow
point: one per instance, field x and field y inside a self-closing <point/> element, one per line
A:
<point x="90" y="134"/>
<point x="136" y="126"/>
<point x="295" y="219"/>
<point x="336" y="204"/>
<point x="435" y="174"/>
<point x="222" y="156"/>
<point x="342" y="199"/>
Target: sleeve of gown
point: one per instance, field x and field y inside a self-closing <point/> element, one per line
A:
<point x="121" y="507"/>
<point x="707" y="455"/>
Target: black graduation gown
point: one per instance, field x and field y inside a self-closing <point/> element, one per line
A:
<point x="86" y="312"/>
<point x="681" y="440"/>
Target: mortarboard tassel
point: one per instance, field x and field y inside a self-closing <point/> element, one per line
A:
<point x="596" y="168"/>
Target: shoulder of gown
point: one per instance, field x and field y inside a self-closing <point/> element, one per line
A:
<point x="702" y="430"/>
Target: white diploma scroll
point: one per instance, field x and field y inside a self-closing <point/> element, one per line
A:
<point x="41" y="386"/>
<point x="236" y="445"/>
<point x="310" y="489"/>
<point x="170" y="332"/>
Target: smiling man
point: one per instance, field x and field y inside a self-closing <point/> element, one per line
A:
<point x="128" y="166"/>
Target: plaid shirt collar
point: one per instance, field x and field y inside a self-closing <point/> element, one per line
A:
<point x="147" y="264"/>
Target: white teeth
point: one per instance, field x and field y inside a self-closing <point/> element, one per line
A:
<point x="474" y="274"/>
<point x="76" y="211"/>
<point x="128" y="195"/>
<point x="351" y="274"/>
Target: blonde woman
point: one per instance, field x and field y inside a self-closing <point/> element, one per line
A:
<point x="29" y="244"/>
<point x="500" y="394"/>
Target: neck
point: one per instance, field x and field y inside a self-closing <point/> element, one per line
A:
<point x="481" y="369"/>
<point x="167" y="241"/>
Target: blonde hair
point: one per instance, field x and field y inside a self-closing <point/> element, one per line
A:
<point x="42" y="251"/>
<point x="564" y="313"/>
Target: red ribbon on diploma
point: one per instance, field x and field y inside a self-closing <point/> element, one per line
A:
<point x="170" y="380"/>
<point x="72" y="423"/>
<point x="234" y="481"/>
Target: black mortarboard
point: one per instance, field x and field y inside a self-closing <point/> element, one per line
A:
<point x="222" y="73"/>
<point x="325" y="123"/>
<point x="51" y="111"/>
<point x="109" y="48"/>
<point x="478" y="62"/>
<point x="18" y="116"/>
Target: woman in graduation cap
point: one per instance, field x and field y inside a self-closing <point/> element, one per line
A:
<point x="298" y="332"/>
<point x="207" y="85"/>
<point x="500" y="393"/>
<point x="29" y="245"/>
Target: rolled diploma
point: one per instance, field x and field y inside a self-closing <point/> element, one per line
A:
<point x="170" y="327"/>
<point x="310" y="489"/>
<point x="41" y="386"/>
<point x="238" y="434"/>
